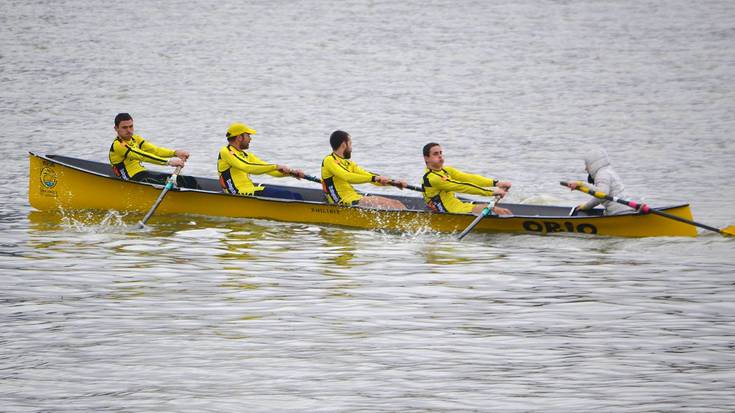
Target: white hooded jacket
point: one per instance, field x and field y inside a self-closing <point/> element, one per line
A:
<point x="605" y="180"/>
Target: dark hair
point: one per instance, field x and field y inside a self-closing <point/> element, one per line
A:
<point x="121" y="117"/>
<point x="337" y="137"/>
<point x="428" y="146"/>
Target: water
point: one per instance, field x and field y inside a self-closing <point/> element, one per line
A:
<point x="202" y="314"/>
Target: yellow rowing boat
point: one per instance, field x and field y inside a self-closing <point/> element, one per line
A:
<point x="60" y="182"/>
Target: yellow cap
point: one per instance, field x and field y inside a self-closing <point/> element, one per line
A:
<point x="238" y="129"/>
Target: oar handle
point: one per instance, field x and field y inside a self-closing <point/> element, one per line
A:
<point x="397" y="184"/>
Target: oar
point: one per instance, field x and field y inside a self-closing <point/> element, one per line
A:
<point x="411" y="187"/>
<point x="392" y="183"/>
<point x="728" y="231"/>
<point x="311" y="178"/>
<point x="169" y="185"/>
<point x="485" y="212"/>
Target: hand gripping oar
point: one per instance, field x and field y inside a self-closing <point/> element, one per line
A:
<point x="728" y="231"/>
<point x="169" y="184"/>
<point x="485" y="212"/>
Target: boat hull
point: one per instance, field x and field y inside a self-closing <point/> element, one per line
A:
<point x="61" y="184"/>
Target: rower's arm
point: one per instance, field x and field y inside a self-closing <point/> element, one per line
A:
<point x="159" y="151"/>
<point x="251" y="166"/>
<point x="276" y="173"/>
<point x="143" y="154"/>
<point x="360" y="176"/>
<point x="475" y="179"/>
<point x="452" y="185"/>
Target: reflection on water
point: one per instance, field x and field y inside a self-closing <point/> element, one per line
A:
<point x="341" y="246"/>
<point x="443" y="255"/>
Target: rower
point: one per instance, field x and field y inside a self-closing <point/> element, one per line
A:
<point x="339" y="173"/>
<point x="441" y="182"/>
<point x="235" y="167"/>
<point x="128" y="151"/>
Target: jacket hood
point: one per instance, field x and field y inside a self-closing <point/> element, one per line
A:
<point x="595" y="159"/>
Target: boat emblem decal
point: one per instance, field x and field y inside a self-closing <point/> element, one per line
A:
<point x="48" y="177"/>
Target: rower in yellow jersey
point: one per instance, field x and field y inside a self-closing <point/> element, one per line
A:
<point x="235" y="166"/>
<point x="339" y="173"/>
<point x="128" y="152"/>
<point x="441" y="182"/>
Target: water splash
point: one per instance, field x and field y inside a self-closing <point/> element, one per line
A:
<point x="93" y="221"/>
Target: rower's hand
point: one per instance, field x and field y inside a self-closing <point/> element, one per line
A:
<point x="181" y="154"/>
<point x="382" y="180"/>
<point x="297" y="173"/>
<point x="500" y="193"/>
<point x="283" y="169"/>
<point x="399" y="184"/>
<point x="176" y="162"/>
<point x="501" y="211"/>
<point x="504" y="185"/>
<point x="572" y="185"/>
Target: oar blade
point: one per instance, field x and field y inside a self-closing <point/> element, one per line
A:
<point x="729" y="231"/>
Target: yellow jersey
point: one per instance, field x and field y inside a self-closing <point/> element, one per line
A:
<point x="126" y="157"/>
<point x="439" y="188"/>
<point x="235" y="166"/>
<point x="338" y="175"/>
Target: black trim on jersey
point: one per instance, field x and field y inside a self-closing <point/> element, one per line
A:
<point x="448" y="179"/>
<point x="435" y="204"/>
<point x="227" y="183"/>
<point x="331" y="191"/>
<point x="426" y="183"/>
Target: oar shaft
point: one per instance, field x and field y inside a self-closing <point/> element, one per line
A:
<point x="474" y="223"/>
<point x="485" y="212"/>
<point x="169" y="184"/>
<point x="392" y="183"/>
<point x="312" y="179"/>
<point x="640" y="207"/>
<point x="686" y="221"/>
<point x="411" y="187"/>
